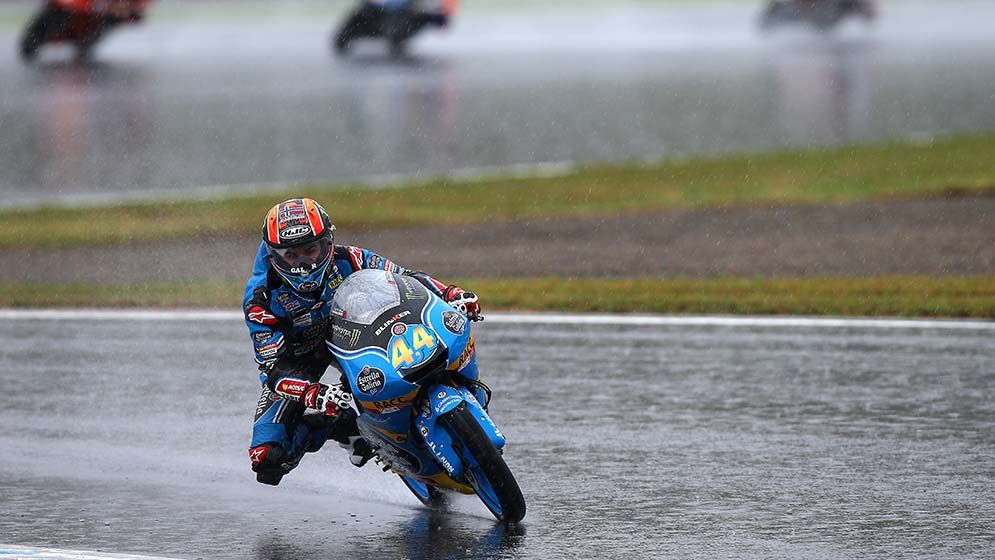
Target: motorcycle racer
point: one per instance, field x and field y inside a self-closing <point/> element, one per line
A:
<point x="80" y="22"/>
<point x="287" y="309"/>
<point x="395" y="20"/>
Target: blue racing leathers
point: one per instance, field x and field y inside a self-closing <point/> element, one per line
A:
<point x="288" y="329"/>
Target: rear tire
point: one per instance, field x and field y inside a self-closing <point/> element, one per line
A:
<point x="35" y="34"/>
<point x="491" y="466"/>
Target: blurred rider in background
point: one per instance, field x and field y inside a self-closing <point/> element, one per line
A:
<point x="287" y="307"/>
<point x="393" y="20"/>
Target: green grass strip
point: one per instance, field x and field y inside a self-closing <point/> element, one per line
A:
<point x="847" y="174"/>
<point x="960" y="297"/>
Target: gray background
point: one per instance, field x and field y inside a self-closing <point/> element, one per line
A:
<point x="248" y="95"/>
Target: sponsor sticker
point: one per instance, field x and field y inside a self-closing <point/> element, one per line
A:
<point x="446" y="402"/>
<point x="335" y="280"/>
<point x="309" y="286"/>
<point x="391" y="321"/>
<point x="303" y="319"/>
<point x="370" y="380"/>
<point x="260" y="315"/>
<point x="283" y="297"/>
<point x="464" y="358"/>
<point x="272" y="345"/>
<point x="454" y="322"/>
<point x="294" y="232"/>
<point x="291" y="387"/>
<point x="262" y="336"/>
<point x="392" y="405"/>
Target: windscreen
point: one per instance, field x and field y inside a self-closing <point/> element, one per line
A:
<point x="365" y="295"/>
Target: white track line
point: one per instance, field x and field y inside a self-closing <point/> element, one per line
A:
<point x="26" y="552"/>
<point x="522" y="318"/>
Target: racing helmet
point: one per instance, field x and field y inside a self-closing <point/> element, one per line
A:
<point x="298" y="236"/>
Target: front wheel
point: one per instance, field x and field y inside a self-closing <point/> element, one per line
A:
<point x="485" y="468"/>
<point x="85" y="46"/>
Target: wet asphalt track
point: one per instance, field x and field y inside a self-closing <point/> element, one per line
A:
<point x="180" y="106"/>
<point x="708" y="440"/>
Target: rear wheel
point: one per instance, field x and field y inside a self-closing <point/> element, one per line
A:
<point x="485" y="469"/>
<point x="35" y="34"/>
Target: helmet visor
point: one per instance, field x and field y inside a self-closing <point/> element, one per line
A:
<point x="301" y="260"/>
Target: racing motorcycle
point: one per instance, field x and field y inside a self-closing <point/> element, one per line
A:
<point x="80" y="22"/>
<point x="395" y="21"/>
<point x="410" y="361"/>
<point x="823" y="15"/>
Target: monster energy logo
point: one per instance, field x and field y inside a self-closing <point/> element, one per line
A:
<point x="345" y="334"/>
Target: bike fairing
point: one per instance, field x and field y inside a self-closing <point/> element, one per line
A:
<point x="410" y="359"/>
<point x="404" y="344"/>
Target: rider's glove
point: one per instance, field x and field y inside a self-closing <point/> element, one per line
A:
<point x="327" y="399"/>
<point x="466" y="303"/>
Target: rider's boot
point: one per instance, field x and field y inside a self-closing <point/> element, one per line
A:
<point x="360" y="452"/>
<point x="344" y="430"/>
<point x="270" y="462"/>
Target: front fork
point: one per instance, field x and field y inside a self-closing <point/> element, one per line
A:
<point x="442" y="399"/>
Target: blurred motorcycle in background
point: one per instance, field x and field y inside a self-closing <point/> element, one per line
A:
<point x="395" y="21"/>
<point x="822" y="15"/>
<point x="80" y="22"/>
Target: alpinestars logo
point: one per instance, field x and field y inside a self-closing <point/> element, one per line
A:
<point x="259" y="315"/>
<point x="256" y="454"/>
<point x="310" y="399"/>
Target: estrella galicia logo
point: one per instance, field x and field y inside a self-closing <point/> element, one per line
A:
<point x="455" y="322"/>
<point x="370" y="380"/>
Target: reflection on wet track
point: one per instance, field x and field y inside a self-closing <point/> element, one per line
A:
<point x="171" y="107"/>
<point x="642" y="441"/>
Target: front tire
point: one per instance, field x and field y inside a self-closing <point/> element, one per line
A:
<point x="488" y="474"/>
<point x="85" y="46"/>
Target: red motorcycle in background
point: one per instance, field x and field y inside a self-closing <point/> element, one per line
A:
<point x="80" y="22"/>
